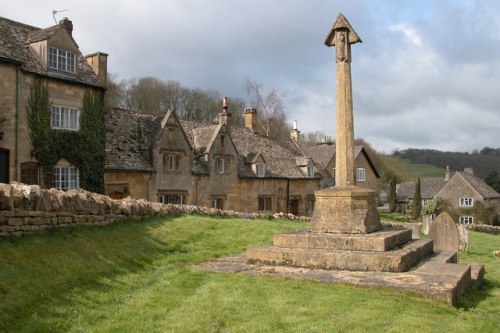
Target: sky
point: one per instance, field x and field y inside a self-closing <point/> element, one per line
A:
<point x="427" y="74"/>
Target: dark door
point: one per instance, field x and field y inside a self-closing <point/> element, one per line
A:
<point x="294" y="206"/>
<point x="4" y="165"/>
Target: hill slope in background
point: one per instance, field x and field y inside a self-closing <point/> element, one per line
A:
<point x="483" y="162"/>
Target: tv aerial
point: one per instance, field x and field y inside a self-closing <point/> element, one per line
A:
<point x="55" y="12"/>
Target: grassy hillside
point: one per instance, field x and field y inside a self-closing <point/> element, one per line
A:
<point x="405" y="170"/>
<point x="134" y="276"/>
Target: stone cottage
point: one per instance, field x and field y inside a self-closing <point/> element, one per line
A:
<point x="464" y="196"/>
<point x="323" y="154"/>
<point x="52" y="57"/>
<point x="216" y="165"/>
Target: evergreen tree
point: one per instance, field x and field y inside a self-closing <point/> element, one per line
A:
<point x="493" y="180"/>
<point x="416" y="206"/>
<point x="392" y="195"/>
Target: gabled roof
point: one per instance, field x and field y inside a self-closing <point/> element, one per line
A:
<point x="14" y="47"/>
<point x="280" y="154"/>
<point x="477" y="184"/>
<point x="429" y="187"/>
<point x="129" y="135"/>
<point x="324" y="153"/>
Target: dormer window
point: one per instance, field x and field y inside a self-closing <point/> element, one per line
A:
<point x="261" y="170"/>
<point x="61" y="60"/>
<point x="310" y="171"/>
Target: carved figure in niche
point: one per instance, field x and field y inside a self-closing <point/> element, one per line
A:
<point x="341" y="46"/>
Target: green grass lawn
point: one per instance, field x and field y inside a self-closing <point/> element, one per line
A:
<point x="134" y="276"/>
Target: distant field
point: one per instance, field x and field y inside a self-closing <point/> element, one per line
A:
<point x="407" y="171"/>
<point x="134" y="276"/>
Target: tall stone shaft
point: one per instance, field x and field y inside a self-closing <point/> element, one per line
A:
<point x="342" y="36"/>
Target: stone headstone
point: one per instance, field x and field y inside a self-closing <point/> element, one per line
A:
<point x="444" y="233"/>
<point x="426" y="224"/>
<point x="463" y="241"/>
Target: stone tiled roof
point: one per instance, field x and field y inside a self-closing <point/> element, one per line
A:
<point x="479" y="185"/>
<point x="280" y="154"/>
<point x="428" y="189"/>
<point x="324" y="153"/>
<point x="129" y="135"/>
<point x="14" y="47"/>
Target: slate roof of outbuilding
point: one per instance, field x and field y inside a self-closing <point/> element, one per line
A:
<point x="428" y="189"/>
<point x="14" y="47"/>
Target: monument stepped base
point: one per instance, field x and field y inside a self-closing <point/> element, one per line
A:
<point x="398" y="260"/>
<point x="434" y="279"/>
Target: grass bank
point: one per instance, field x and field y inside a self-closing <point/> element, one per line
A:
<point x="135" y="277"/>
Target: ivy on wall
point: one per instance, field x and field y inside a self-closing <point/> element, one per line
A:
<point x="84" y="148"/>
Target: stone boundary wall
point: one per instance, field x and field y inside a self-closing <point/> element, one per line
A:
<point x="490" y="229"/>
<point x="27" y="209"/>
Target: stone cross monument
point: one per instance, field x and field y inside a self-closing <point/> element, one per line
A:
<point x="345" y="208"/>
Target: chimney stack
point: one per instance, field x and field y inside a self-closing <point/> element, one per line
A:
<point x="447" y="173"/>
<point x="67" y="24"/>
<point x="99" y="63"/>
<point x="469" y="171"/>
<point x="225" y="115"/>
<point x="295" y="133"/>
<point x="251" y="119"/>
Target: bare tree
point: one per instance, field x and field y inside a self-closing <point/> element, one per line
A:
<point x="270" y="108"/>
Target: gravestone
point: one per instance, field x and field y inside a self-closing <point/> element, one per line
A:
<point x="463" y="242"/>
<point x="426" y="224"/>
<point x="444" y="233"/>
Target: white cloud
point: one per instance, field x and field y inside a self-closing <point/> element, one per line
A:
<point x="409" y="32"/>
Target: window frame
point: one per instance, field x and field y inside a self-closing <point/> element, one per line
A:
<point x="171" y="161"/>
<point x="30" y="173"/>
<point x="66" y="178"/>
<point x="64" y="118"/>
<point x="221" y="165"/>
<point x="260" y="170"/>
<point x="466" y="202"/>
<point x="310" y="171"/>
<point x="361" y="175"/>
<point x="466" y="219"/>
<point x="61" y="60"/>
<point x="265" y="203"/>
<point x="217" y="202"/>
<point x="174" y="198"/>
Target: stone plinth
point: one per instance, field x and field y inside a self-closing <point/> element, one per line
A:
<point x="399" y="260"/>
<point x="345" y="210"/>
<point x="378" y="242"/>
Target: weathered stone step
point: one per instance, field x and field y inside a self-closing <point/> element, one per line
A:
<point x="379" y="241"/>
<point x="399" y="260"/>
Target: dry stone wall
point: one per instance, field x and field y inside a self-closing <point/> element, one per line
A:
<point x="29" y="208"/>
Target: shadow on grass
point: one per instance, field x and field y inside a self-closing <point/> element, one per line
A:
<point x="473" y="297"/>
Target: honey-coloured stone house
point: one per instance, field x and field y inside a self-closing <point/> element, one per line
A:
<point x="466" y="197"/>
<point x="218" y="165"/>
<point x="51" y="56"/>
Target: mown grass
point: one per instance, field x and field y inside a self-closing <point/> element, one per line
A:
<point x="135" y="277"/>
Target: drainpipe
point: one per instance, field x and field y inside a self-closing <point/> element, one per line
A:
<point x="288" y="196"/>
<point x="16" y="144"/>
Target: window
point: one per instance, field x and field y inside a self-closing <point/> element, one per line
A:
<point x="172" y="198"/>
<point x="221" y="165"/>
<point x="61" y="60"/>
<point x="425" y="202"/>
<point x="466" y="202"/>
<point x="261" y="170"/>
<point x="310" y="171"/>
<point x="360" y="174"/>
<point x="222" y="140"/>
<point x="171" y="161"/>
<point x="466" y="220"/>
<point x="65" y="118"/>
<point x="309" y="206"/>
<point x="217" y="203"/>
<point x="29" y="173"/>
<point x="66" y="178"/>
<point x="265" y="203"/>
